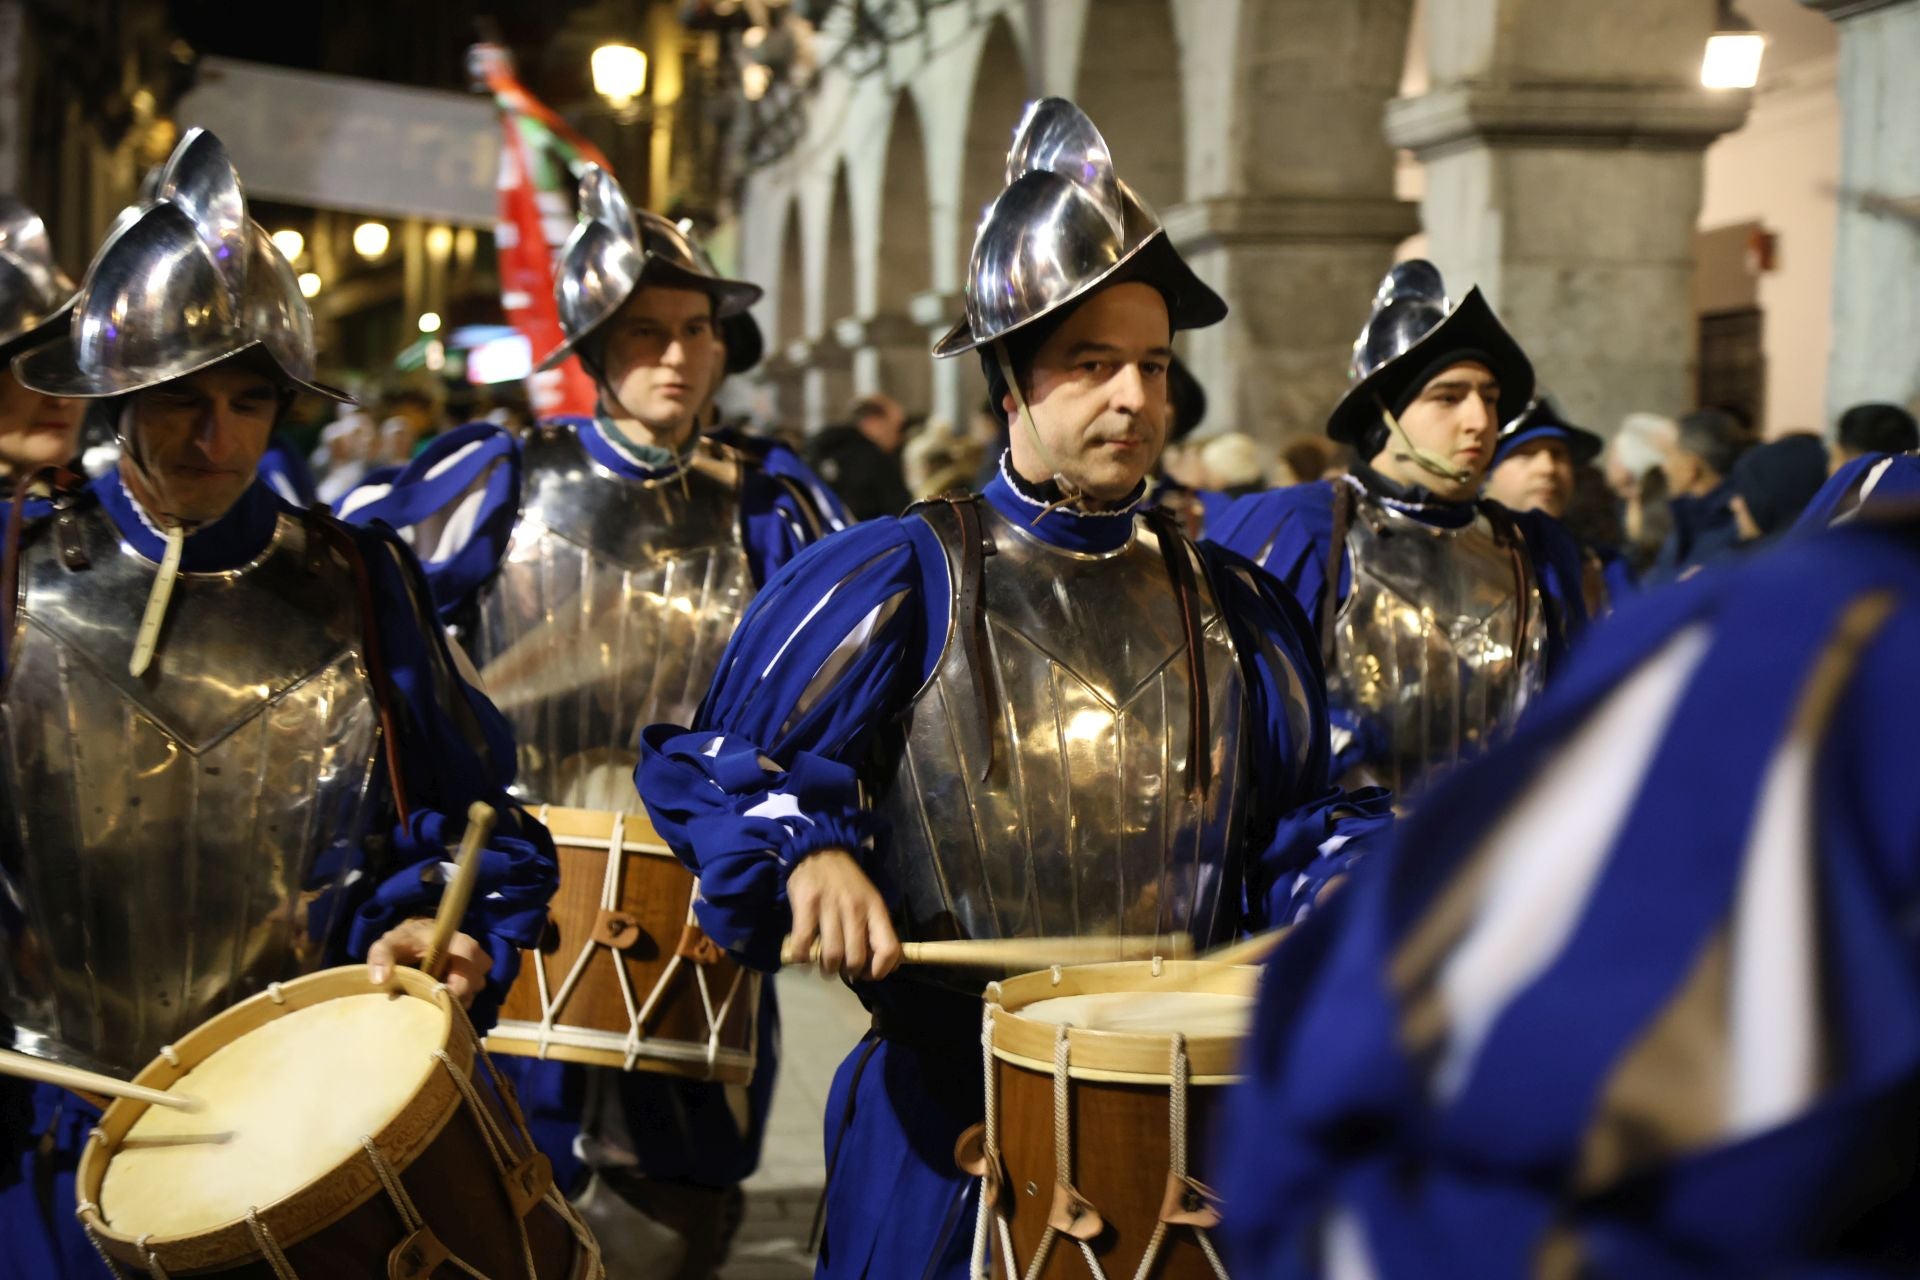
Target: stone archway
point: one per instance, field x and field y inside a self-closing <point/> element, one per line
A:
<point x="1131" y="89"/>
<point x="830" y="366"/>
<point x="893" y="357"/>
<point x="790" y="322"/>
<point x="1001" y="89"/>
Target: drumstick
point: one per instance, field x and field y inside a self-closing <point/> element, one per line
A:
<point x="54" y="1073"/>
<point x="459" y="892"/>
<point x="1037" y="953"/>
<point x="1248" y="950"/>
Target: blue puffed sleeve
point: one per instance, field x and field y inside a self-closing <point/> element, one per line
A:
<point x="834" y="646"/>
<point x="455" y="504"/>
<point x="454" y="748"/>
<point x="1289" y="533"/>
<point x="1878" y="476"/>
<point x="1306" y="831"/>
<point x="785" y="506"/>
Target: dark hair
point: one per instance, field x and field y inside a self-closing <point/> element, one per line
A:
<point x="1879" y="428"/>
<point x="1778" y="479"/>
<point x="1716" y="436"/>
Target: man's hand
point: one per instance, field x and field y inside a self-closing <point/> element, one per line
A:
<point x="406" y="943"/>
<point x="831" y="897"/>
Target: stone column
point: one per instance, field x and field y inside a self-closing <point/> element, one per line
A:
<point x="890" y="355"/>
<point x="933" y="313"/>
<point x="1562" y="145"/>
<point x="1291" y="213"/>
<point x="1297" y="273"/>
<point x="827" y="379"/>
<point x="1876" y="263"/>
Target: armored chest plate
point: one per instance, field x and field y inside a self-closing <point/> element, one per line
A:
<point x="177" y="835"/>
<point x="610" y="612"/>
<point x="1085" y="825"/>
<point x="1439" y="645"/>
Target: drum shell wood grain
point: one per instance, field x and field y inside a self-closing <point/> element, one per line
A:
<point x="1119" y="1112"/>
<point x="656" y="891"/>
<point x="1119" y="1165"/>
<point x="342" y="1222"/>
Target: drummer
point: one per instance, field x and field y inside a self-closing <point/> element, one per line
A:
<point x="36" y="431"/>
<point x="238" y="745"/>
<point x="1034" y="710"/>
<point x="664" y="528"/>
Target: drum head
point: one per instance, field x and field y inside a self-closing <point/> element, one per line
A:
<point x="291" y="1088"/>
<point x="1121" y="1018"/>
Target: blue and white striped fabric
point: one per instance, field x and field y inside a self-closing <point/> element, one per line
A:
<point x="465" y="489"/>
<point x="1870" y="478"/>
<point x="1638" y="994"/>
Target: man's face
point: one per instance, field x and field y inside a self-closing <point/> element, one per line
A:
<point x="1537" y="475"/>
<point x="35" y="430"/>
<point x="198" y="440"/>
<point x="1453" y="420"/>
<point x="1682" y="467"/>
<point x="663" y="358"/>
<point x="1098" y="392"/>
<point x="885" y="424"/>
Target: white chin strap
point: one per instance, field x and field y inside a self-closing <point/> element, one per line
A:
<point x="1410" y="452"/>
<point x="1070" y="494"/>
<point x="147" y="639"/>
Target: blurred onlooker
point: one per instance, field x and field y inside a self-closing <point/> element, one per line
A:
<point x="1633" y="473"/>
<point x="1874" y="428"/>
<point x="1772" y="484"/>
<point x="860" y="459"/>
<point x="939" y="459"/>
<point x="1697" y="466"/>
<point x="345" y="455"/>
<point x="1236" y="463"/>
<point x="1310" y="458"/>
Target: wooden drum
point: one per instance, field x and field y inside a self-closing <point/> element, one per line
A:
<point x="1102" y="1081"/>
<point x="624" y="977"/>
<point x="346" y="1131"/>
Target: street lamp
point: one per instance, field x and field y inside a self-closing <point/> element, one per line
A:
<point x="619" y="74"/>
<point x="370" y="239"/>
<point x="430" y="322"/>
<point x="290" y="243"/>
<point x="309" y="284"/>
<point x="1734" y="51"/>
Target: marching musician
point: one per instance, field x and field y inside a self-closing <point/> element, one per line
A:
<point x="1535" y="461"/>
<point x="1636" y="994"/>
<point x="235" y="745"/>
<point x="36" y="430"/>
<point x="1439" y="615"/>
<point x="595" y="570"/>
<point x="1035" y="710"/>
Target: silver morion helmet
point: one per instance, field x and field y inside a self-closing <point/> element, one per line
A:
<point x="34" y="292"/>
<point x="614" y="249"/>
<point x="183" y="281"/>
<point x="1065" y="225"/>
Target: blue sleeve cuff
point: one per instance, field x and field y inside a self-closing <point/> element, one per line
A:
<point x="518" y="874"/>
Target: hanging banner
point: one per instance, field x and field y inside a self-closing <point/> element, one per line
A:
<point x="539" y="159"/>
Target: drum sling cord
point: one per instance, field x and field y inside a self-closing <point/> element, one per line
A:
<point x="499" y="1146"/>
<point x="1178" y="1069"/>
<point x="638" y="1014"/>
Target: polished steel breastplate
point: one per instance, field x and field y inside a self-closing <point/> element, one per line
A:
<point x="610" y="612"/>
<point x="1440" y="643"/>
<point x="175" y="837"/>
<point x="1085" y="825"/>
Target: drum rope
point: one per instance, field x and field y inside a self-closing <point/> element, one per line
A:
<point x="154" y="1266"/>
<point x="269" y="1247"/>
<point x="989" y="1134"/>
<point x="499" y="1147"/>
<point x="82" y="1212"/>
